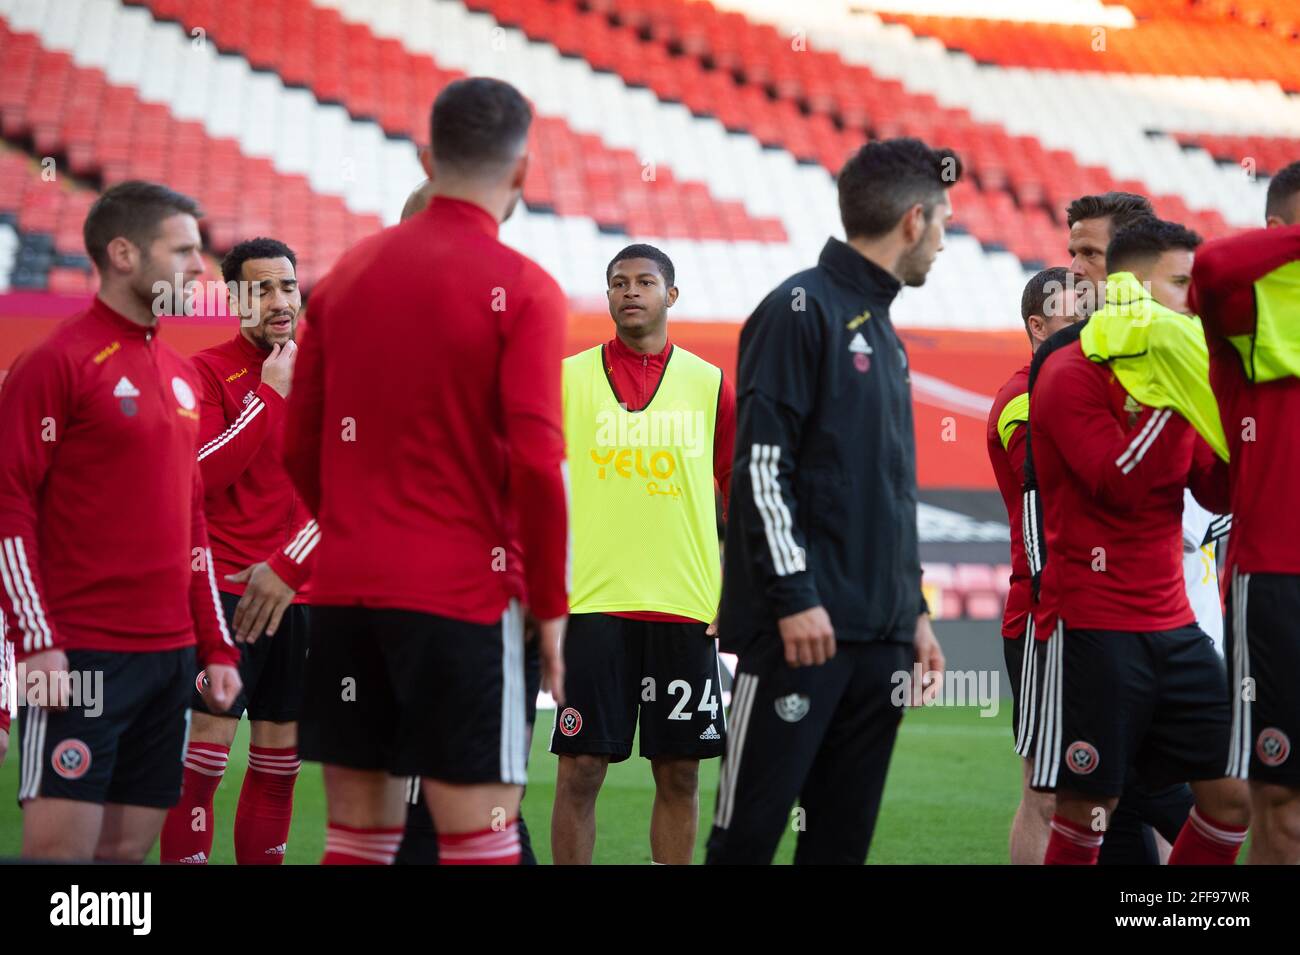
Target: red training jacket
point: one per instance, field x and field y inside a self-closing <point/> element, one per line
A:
<point x="1009" y="469"/>
<point x="425" y="427"/>
<point x="1258" y="419"/>
<point x="253" y="511"/>
<point x="1112" y="473"/>
<point x="103" y="544"/>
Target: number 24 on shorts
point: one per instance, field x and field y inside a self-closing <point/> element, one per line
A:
<point x="708" y="699"/>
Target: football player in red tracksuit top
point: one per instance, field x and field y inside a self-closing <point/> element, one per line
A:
<point x="1259" y="420"/>
<point x="425" y="433"/>
<point x="1047" y="305"/>
<point x="107" y="575"/>
<point x="1131" y="685"/>
<point x="263" y="540"/>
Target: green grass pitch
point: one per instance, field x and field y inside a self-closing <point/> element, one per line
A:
<point x="953" y="786"/>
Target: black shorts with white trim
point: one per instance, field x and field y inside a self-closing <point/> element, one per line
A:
<point x="124" y="746"/>
<point x="1263" y="650"/>
<point x="1114" y="702"/>
<point x="414" y="694"/>
<point x="1024" y="657"/>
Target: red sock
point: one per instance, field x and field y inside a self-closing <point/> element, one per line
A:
<point x="187" y="833"/>
<point x="486" y="847"/>
<point x="348" y="845"/>
<point x="265" y="806"/>
<point x="1072" y="844"/>
<point x="1206" y="841"/>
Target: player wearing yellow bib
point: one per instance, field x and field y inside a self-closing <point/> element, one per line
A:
<point x="649" y="429"/>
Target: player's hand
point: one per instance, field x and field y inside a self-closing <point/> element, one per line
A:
<point x="277" y="369"/>
<point x="52" y="668"/>
<point x="265" y="600"/>
<point x="221" y="685"/>
<point x="808" y="636"/>
<point x="550" y="637"/>
<point x="712" y="629"/>
<point x="4" y="746"/>
<point x="930" y="655"/>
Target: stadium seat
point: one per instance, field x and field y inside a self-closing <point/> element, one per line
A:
<point x="378" y="79"/>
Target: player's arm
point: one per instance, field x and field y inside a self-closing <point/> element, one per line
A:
<point x="217" y="653"/>
<point x="35" y="410"/>
<point x="724" y="441"/>
<point x="270" y="585"/>
<point x="292" y="563"/>
<point x="1226" y="270"/>
<point x="306" y="410"/>
<point x="227" y="448"/>
<point x="777" y="385"/>
<point x="1071" y="408"/>
<point x="1208" y="480"/>
<point x="530" y="393"/>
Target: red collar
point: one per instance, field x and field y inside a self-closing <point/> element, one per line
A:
<point x="100" y="309"/>
<point x="465" y="213"/>
<point x="617" y="349"/>
<point x="248" y="350"/>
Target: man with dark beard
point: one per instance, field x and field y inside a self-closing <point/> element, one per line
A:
<point x="263" y="540"/>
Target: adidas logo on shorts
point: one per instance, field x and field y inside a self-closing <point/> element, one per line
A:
<point x="277" y="850"/>
<point x="710" y="733"/>
<point x="199" y="858"/>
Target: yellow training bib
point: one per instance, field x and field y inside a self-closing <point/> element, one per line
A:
<point x="641" y="493"/>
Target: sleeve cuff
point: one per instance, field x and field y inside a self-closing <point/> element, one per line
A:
<point x="273" y="400"/>
<point x="291" y="572"/>
<point x="793" y="594"/>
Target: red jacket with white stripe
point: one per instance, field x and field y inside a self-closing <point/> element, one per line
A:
<point x="103" y="544"/>
<point x="253" y="511"/>
<point x="1111" y="474"/>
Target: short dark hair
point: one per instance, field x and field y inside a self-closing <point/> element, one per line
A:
<point x="478" y="122"/>
<point x="1040" y="290"/>
<point x="1145" y="239"/>
<point x="642" y="251"/>
<point x="1122" y="208"/>
<point x="1281" y="188"/>
<point x="133" y="209"/>
<point x="884" y="179"/>
<point x="259" y="248"/>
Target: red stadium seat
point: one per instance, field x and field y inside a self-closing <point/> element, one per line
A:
<point x="816" y="105"/>
<point x="377" y="78"/>
<point x="145" y="141"/>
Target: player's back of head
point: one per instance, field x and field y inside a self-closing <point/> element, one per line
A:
<point x="1282" y="207"/>
<point x="885" y="178"/>
<point x="1037" y="298"/>
<point x="479" y="128"/>
<point x="1138" y="244"/>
